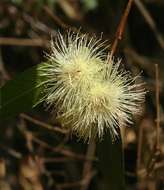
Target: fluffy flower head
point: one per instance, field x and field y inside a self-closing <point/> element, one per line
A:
<point x="86" y="89"/>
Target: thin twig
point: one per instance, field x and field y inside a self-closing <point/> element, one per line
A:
<point x="141" y="61"/>
<point x="150" y="21"/>
<point x="58" y="21"/>
<point x="23" y="42"/>
<point x="87" y="169"/>
<point x="81" y="183"/>
<point x="152" y="162"/>
<point x="3" y="71"/>
<point x="156" y="153"/>
<point x="139" y="148"/>
<point x="121" y="27"/>
<point x="55" y="18"/>
<point x="43" y="124"/>
<point x="56" y="159"/>
<point x="37" y="25"/>
<point x="11" y="151"/>
<point x="63" y="151"/>
<point x="157" y="107"/>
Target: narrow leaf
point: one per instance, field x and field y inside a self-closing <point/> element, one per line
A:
<point x="21" y="93"/>
<point x="111" y="165"/>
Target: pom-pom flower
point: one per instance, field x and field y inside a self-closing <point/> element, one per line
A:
<point x="86" y="89"/>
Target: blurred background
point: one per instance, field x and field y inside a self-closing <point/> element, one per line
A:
<point x="35" y="157"/>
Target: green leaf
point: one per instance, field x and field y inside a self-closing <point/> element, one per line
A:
<point x="21" y="93"/>
<point x="111" y="163"/>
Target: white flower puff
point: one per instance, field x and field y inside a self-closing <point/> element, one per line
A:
<point x="86" y="89"/>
